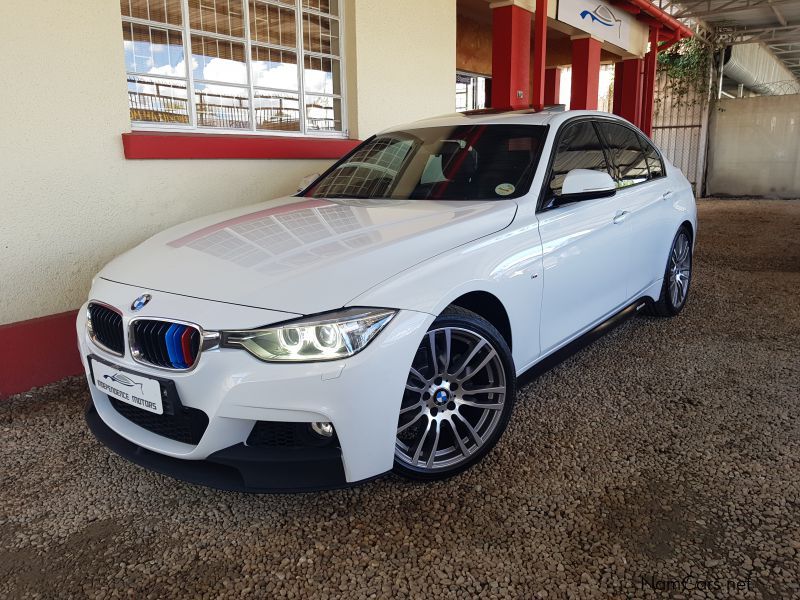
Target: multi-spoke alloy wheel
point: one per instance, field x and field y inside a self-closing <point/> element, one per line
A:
<point x="680" y="269"/>
<point x="457" y="399"/>
<point x="677" y="278"/>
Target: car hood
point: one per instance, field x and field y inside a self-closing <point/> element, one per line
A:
<point x="303" y="255"/>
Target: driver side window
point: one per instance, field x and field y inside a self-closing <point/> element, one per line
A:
<point x="578" y="147"/>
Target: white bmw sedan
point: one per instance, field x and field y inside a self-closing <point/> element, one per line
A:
<point x="379" y="319"/>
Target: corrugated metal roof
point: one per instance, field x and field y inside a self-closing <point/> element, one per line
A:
<point x="776" y="23"/>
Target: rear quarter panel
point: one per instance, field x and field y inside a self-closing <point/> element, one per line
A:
<point x="683" y="202"/>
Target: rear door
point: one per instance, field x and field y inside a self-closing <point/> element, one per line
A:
<point x="582" y="248"/>
<point x="639" y="174"/>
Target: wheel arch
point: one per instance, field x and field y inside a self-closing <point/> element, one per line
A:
<point x="490" y="307"/>
<point x="688" y="225"/>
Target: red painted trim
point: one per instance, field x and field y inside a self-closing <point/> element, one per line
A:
<point x="585" y="73"/>
<point x="511" y="57"/>
<point x="539" y="53"/>
<point x="143" y="144"/>
<point x="668" y="43"/>
<point x="628" y="8"/>
<point x="663" y="20"/>
<point x="38" y="352"/>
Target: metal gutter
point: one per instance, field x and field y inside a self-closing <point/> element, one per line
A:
<point x="668" y="21"/>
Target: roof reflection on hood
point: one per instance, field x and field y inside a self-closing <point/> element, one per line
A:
<point x="278" y="240"/>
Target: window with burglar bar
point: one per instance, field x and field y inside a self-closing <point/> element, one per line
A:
<point x="255" y="65"/>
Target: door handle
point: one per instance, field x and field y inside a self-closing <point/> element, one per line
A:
<point x="666" y="195"/>
<point x="620" y="217"/>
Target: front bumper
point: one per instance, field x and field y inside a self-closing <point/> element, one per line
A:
<point x="360" y="396"/>
<point x="238" y="468"/>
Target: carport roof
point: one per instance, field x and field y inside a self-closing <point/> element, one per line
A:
<point x="775" y="23"/>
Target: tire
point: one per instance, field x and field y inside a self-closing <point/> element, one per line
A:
<point x="677" y="276"/>
<point x="441" y="430"/>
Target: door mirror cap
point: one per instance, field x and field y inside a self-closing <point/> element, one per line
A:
<point x="307" y="181"/>
<point x="586" y="184"/>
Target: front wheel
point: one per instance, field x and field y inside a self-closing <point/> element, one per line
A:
<point x="458" y="398"/>
<point x="677" y="277"/>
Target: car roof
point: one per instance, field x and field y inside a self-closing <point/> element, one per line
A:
<point x="548" y="116"/>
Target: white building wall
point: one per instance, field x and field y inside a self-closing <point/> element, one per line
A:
<point x="405" y="61"/>
<point x="754" y="147"/>
<point x="68" y="198"/>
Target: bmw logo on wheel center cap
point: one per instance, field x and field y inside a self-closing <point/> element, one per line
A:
<point x="441" y="397"/>
<point x="140" y="302"/>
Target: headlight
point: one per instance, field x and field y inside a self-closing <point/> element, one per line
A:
<point x="324" y="337"/>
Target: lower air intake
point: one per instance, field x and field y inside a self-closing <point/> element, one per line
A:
<point x="187" y="426"/>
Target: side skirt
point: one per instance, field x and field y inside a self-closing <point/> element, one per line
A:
<point x="555" y="358"/>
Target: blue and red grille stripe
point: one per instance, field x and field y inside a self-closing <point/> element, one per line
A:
<point x="174" y="349"/>
<point x="166" y="344"/>
<point x="186" y="347"/>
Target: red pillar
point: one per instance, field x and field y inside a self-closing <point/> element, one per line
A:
<point x="552" y="86"/>
<point x="539" y="52"/>
<point x="616" y="101"/>
<point x="511" y="57"/>
<point x="628" y="89"/>
<point x="649" y="83"/>
<point x="585" y="73"/>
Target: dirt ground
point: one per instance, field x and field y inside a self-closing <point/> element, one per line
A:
<point x="662" y="461"/>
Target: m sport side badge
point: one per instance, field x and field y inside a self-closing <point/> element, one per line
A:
<point x="140" y="302"/>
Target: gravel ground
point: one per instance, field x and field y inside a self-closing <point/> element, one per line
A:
<point x="670" y="448"/>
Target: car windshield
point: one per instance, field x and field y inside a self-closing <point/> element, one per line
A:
<point x="464" y="162"/>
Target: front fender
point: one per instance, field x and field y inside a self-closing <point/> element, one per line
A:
<point x="507" y="264"/>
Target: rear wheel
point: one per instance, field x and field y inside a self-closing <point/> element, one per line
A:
<point x="458" y="398"/>
<point x="677" y="277"/>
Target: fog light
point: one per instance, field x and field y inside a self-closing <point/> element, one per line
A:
<point x="323" y="429"/>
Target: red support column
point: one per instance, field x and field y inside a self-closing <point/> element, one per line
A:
<point x="552" y="86"/>
<point x="539" y="52"/>
<point x="585" y="73"/>
<point x="649" y="83"/>
<point x="628" y="90"/>
<point x="511" y="57"/>
<point x="616" y="101"/>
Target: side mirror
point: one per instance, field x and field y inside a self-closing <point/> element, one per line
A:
<point x="586" y="184"/>
<point x="306" y="181"/>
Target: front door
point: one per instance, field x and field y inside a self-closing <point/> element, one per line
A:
<point x="584" y="245"/>
<point x="643" y="195"/>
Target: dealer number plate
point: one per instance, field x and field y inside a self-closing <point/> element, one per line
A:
<point x="131" y="388"/>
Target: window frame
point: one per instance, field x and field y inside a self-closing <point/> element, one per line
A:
<point x="192" y="128"/>
<point x="543" y="193"/>
<point x="596" y="120"/>
<point x="639" y="137"/>
<point x="644" y="140"/>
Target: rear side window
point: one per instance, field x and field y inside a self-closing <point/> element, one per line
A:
<point x="654" y="162"/>
<point x="579" y="147"/>
<point x="629" y="165"/>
